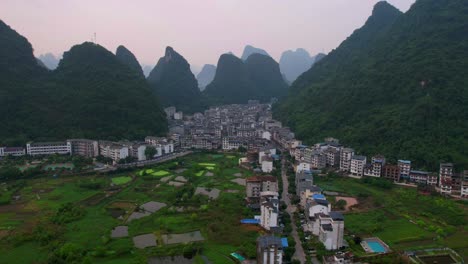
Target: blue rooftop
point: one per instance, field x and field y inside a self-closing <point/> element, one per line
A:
<point x="405" y="161"/>
<point x="284" y="242"/>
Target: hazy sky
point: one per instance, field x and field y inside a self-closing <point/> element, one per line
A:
<point x="200" y="30"/>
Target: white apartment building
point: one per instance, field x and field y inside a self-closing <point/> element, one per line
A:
<point x="266" y="152"/>
<point x="357" y="165"/>
<point x="405" y="168"/>
<point x="331" y="230"/>
<point x="113" y="150"/>
<point x="302" y="166"/>
<point x="269" y="209"/>
<point x="267" y="164"/>
<point x="48" y="148"/>
<point x="346" y="155"/>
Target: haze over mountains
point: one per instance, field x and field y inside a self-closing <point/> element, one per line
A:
<point x="294" y="63"/>
<point x="206" y="76"/>
<point x="249" y="50"/>
<point x="49" y="60"/>
<point x="397" y="86"/>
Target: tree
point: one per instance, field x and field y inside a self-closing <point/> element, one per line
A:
<point x="341" y="204"/>
<point x="150" y="151"/>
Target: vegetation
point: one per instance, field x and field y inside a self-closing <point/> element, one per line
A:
<point x="127" y="58"/>
<point x="400" y="216"/>
<point x="174" y="83"/>
<point x="68" y="219"/>
<point x="91" y="94"/>
<point x="393" y="87"/>
<point x="236" y="82"/>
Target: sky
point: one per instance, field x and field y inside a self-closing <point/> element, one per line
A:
<point x="200" y="30"/>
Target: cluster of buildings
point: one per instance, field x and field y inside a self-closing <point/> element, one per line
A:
<point x="331" y="154"/>
<point x="94" y="148"/>
<point x="227" y="127"/>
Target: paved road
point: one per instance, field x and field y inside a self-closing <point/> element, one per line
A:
<point x="299" y="254"/>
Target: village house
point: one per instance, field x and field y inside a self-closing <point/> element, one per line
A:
<point x="346" y="155"/>
<point x="357" y="165"/>
<point x="269" y="250"/>
<point x="269" y="209"/>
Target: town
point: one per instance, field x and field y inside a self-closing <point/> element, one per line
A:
<point x="268" y="149"/>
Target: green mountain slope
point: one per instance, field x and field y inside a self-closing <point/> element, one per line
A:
<point x="396" y="86"/>
<point x="91" y="94"/>
<point x="174" y="83"/>
<point x="264" y="72"/>
<point x="126" y="57"/>
<point x="236" y="81"/>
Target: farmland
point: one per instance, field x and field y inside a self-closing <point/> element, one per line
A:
<point x="70" y="218"/>
<point x="400" y="216"/>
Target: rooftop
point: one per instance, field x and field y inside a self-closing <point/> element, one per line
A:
<point x="268" y="241"/>
<point x="337" y="216"/>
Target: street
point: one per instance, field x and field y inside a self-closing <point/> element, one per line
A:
<point x="299" y="253"/>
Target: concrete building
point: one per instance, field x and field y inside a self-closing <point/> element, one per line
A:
<point x="331" y="230"/>
<point x="304" y="181"/>
<point x="170" y="111"/>
<point x="258" y="184"/>
<point x="346" y="155"/>
<point x="357" y="165"/>
<point x="12" y="151"/>
<point x="48" y="148"/>
<point x="269" y="250"/>
<point x="405" y="168"/>
<point x="178" y="115"/>
<point x="419" y="177"/>
<point x="445" y="178"/>
<point x="391" y="172"/>
<point x="464" y="185"/>
<point x="112" y="150"/>
<point x="333" y="157"/>
<point x="269" y="210"/>
<point x="84" y="147"/>
<point x="267" y="164"/>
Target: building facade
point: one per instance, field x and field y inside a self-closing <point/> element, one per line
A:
<point x="48" y="148"/>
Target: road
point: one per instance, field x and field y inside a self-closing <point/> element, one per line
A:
<point x="299" y="253"/>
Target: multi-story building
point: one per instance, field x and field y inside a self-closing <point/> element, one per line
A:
<point x="267" y="164"/>
<point x="269" y="250"/>
<point x="464" y="185"/>
<point x="445" y="178"/>
<point x="318" y="160"/>
<point x="48" y="148"/>
<point x="391" y="172"/>
<point x="375" y="168"/>
<point x="269" y="210"/>
<point x="331" y="230"/>
<point x="304" y="180"/>
<point x="12" y="151"/>
<point x="346" y="155"/>
<point x="170" y="111"/>
<point x="357" y="165"/>
<point x="333" y="157"/>
<point x="84" y="147"/>
<point x="257" y="184"/>
<point x="432" y="179"/>
<point x="405" y="168"/>
<point x="112" y="150"/>
<point x="419" y="177"/>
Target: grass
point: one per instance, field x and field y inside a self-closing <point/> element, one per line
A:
<point x="160" y="173"/>
<point x="401" y="217"/>
<point x="121" y="180"/>
<point x="217" y="220"/>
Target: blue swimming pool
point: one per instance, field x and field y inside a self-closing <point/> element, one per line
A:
<point x="376" y="247"/>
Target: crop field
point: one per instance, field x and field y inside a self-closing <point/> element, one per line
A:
<point x="71" y="218"/>
<point x="403" y="218"/>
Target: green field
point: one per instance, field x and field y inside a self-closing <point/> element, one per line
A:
<point x="69" y="219"/>
<point x="121" y="180"/>
<point x="400" y="216"/>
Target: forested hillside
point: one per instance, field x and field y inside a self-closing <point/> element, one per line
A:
<point x="91" y="94"/>
<point x="397" y="86"/>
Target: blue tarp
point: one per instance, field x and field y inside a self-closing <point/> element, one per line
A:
<point x="250" y="221"/>
<point x="284" y="242"/>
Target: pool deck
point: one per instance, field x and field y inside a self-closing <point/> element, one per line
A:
<point x="368" y="249"/>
